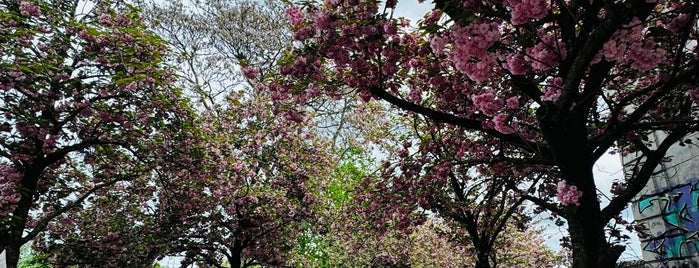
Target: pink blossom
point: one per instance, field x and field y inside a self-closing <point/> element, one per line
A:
<point x="679" y="24"/>
<point x="501" y="124"/>
<point x="512" y="102"/>
<point x="250" y="72"/>
<point x="552" y="94"/>
<point x="529" y="9"/>
<point x="106" y="20"/>
<point x="433" y="17"/>
<point x="553" y="89"/>
<point x="694" y="95"/>
<point x="27" y="9"/>
<point x="296" y="15"/>
<point x="516" y="64"/>
<point x="470" y="49"/>
<point x="238" y="166"/>
<point x="546" y="54"/>
<point x="438" y="43"/>
<point x="478" y="71"/>
<point x="613" y="50"/>
<point x="629" y="46"/>
<point x="305" y="32"/>
<point x="568" y="194"/>
<point x="645" y="56"/>
<point x="321" y="19"/>
<point x="390" y="28"/>
<point x="487" y="103"/>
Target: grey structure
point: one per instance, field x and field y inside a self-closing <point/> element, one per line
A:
<point x="668" y="208"/>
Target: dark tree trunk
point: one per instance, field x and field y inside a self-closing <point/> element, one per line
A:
<point x="566" y="133"/>
<point x="482" y="260"/>
<point x="585" y="228"/>
<point x="235" y="259"/>
<point x="21" y="213"/>
<point x="12" y="254"/>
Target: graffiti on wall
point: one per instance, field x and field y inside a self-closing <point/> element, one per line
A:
<point x="680" y="215"/>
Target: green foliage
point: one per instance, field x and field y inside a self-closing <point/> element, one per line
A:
<point x="29" y="259"/>
<point x="353" y="167"/>
<point x="312" y="247"/>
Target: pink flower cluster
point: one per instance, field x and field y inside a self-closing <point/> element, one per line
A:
<point x="106" y="19"/>
<point x="501" y="124"/>
<point x="529" y="9"/>
<point x="628" y="46"/>
<point x="438" y="43"/>
<point x="296" y="15"/>
<point x="516" y="64"/>
<point x="679" y="24"/>
<point x="547" y="53"/>
<point x="487" y="103"/>
<point x="568" y="194"/>
<point x="694" y="95"/>
<point x="251" y="72"/>
<point x="27" y="9"/>
<point x="553" y="89"/>
<point x="9" y="180"/>
<point x="470" y="49"/>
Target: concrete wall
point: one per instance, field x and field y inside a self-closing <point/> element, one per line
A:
<point x="2" y="260"/>
<point x="669" y="207"/>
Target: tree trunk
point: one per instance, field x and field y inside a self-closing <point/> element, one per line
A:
<point x="566" y="133"/>
<point x="588" y="251"/>
<point x="482" y="260"/>
<point x="12" y="254"/>
<point x="585" y="237"/>
<point x="235" y="259"/>
<point x="585" y="226"/>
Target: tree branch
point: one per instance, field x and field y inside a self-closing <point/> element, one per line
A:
<point x="638" y="182"/>
<point x="45" y="221"/>
<point x="468" y="124"/>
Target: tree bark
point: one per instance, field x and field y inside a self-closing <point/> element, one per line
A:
<point x="12" y="254"/>
<point x="567" y="134"/>
<point x="236" y="256"/>
<point x="586" y="235"/>
<point x="482" y="260"/>
<point x="18" y="222"/>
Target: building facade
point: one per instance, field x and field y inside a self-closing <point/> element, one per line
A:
<point x="668" y="208"/>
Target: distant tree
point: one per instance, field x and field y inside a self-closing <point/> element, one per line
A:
<point x="257" y="189"/>
<point x="214" y="46"/>
<point x="349" y="238"/>
<point x="85" y="98"/>
<point x="217" y="52"/>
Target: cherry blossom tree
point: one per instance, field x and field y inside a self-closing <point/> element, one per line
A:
<point x="235" y="187"/>
<point x="431" y="245"/>
<point x="521" y="97"/>
<point x="261" y="190"/>
<point x="238" y="191"/>
<point x="350" y="237"/>
<point x="85" y="98"/>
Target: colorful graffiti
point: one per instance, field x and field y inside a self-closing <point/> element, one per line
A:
<point x="680" y="214"/>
